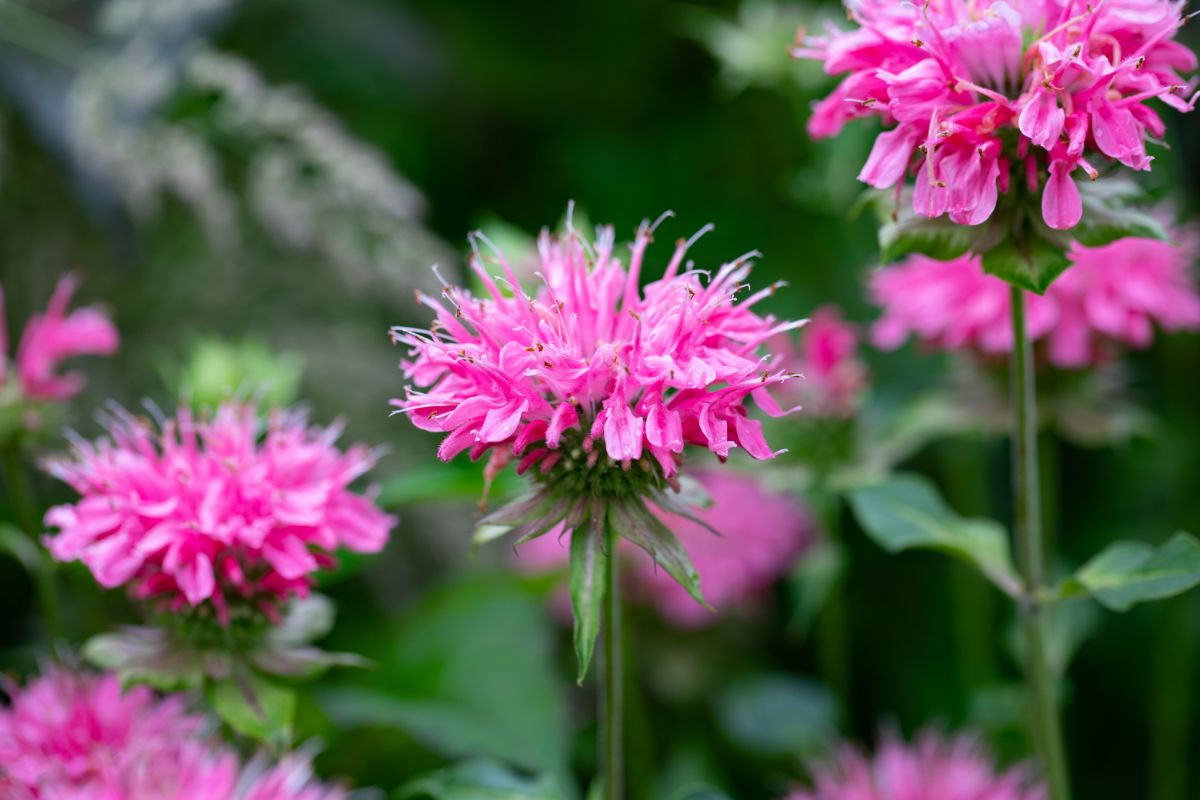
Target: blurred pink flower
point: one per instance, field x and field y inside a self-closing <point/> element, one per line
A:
<point x="222" y="510"/>
<point x="752" y="551"/>
<point x="51" y="338"/>
<point x="832" y="376"/>
<point x="1111" y="295"/>
<point x="931" y="767"/>
<point x="1056" y="80"/>
<point x="646" y="370"/>
<point x="79" y="736"/>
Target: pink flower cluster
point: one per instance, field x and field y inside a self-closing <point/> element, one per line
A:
<point x="931" y="767"/>
<point x="69" y="736"/>
<point x="957" y="80"/>
<point x="221" y="510"/>
<point x="51" y="338"/>
<point x="736" y="567"/>
<point x="1111" y="295"/>
<point x="645" y="370"/>
<point x="832" y="376"/>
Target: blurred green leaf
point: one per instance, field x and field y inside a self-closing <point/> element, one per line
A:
<point x="777" y="715"/>
<point x="479" y="780"/>
<point x="811" y="581"/>
<point x="438" y="482"/>
<point x="23" y="548"/>
<point x="903" y="232"/>
<point x="906" y="512"/>
<point x="1068" y="626"/>
<point x="147" y="655"/>
<point x="255" y="707"/>
<point x="469" y="672"/>
<point x="1127" y="573"/>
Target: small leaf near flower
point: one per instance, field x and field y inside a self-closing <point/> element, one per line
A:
<point x="587" y="582"/>
<point x="255" y="707"/>
<point x="1127" y="573"/>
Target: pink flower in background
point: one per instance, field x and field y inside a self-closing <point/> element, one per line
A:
<point x="223" y="510"/>
<point x="752" y="551"/>
<point x="80" y="736"/>
<point x="931" y="768"/>
<point x="51" y="338"/>
<point x="593" y="357"/>
<point x="1057" y="79"/>
<point x="1111" y="296"/>
<point x="832" y="376"/>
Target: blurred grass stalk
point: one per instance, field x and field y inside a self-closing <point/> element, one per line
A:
<point x="24" y="504"/>
<point x="1171" y="701"/>
<point x="40" y="34"/>
<point x="833" y="638"/>
<point x="1039" y="678"/>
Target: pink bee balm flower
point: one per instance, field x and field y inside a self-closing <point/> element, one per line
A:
<point x="735" y="567"/>
<point x="51" y="338"/>
<point x="977" y="95"/>
<point x="832" y="376"/>
<point x="1111" y="295"/>
<point x="592" y="358"/>
<point x="69" y="736"/>
<point x="931" y="767"/>
<point x="220" y="511"/>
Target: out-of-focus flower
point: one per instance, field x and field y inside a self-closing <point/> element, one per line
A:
<point x="982" y="94"/>
<point x="832" y="376"/>
<point x="596" y="384"/>
<point x="1111" y="296"/>
<point x="736" y="566"/>
<point x="224" y="511"/>
<point x="51" y="338"/>
<point x="80" y="736"/>
<point x="931" y="767"/>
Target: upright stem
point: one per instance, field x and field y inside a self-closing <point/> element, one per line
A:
<point x="20" y="494"/>
<point x="832" y="634"/>
<point x="1047" y="732"/>
<point x="611" y="698"/>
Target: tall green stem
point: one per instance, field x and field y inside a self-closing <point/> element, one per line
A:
<point x="20" y="494"/>
<point x="611" y="699"/>
<point x="1042" y="689"/>
<point x="832" y="627"/>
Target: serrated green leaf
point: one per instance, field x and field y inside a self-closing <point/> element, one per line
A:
<point x="1108" y="214"/>
<point x="1127" y="573"/>
<point x="906" y="512"/>
<point x="255" y="708"/>
<point x="479" y="780"/>
<point x="637" y="524"/>
<point x="1032" y="264"/>
<point x="588" y="565"/>
<point x="908" y="232"/>
<point x="777" y="715"/>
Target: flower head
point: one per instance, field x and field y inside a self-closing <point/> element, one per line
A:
<point x="981" y="94"/>
<point x="931" y="767"/>
<point x="736" y="567"/>
<point x="832" y="376"/>
<point x="1111" y="296"/>
<point x="80" y="736"/>
<point x="591" y="359"/>
<point x="227" y="511"/>
<point x="51" y="338"/>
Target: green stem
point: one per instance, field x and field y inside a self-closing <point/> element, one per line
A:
<point x="20" y="494"/>
<point x="1171" y="702"/>
<point x="1047" y="732"/>
<point x="832" y="639"/>
<point x="611" y="699"/>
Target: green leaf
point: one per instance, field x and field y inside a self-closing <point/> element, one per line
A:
<point x="811" y="582"/>
<point x="149" y="656"/>
<point x="906" y="512"/>
<point x="773" y="716"/>
<point x="458" y="480"/>
<point x="1127" y="573"/>
<point x="469" y="672"/>
<point x="22" y="547"/>
<point x="255" y="707"/>
<point x="479" y="780"/>
<point x="1032" y="265"/>
<point x="1067" y="626"/>
<point x="589" y="564"/>
<point x="904" y="232"/>
<point x="1108" y="214"/>
<point x="639" y="525"/>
